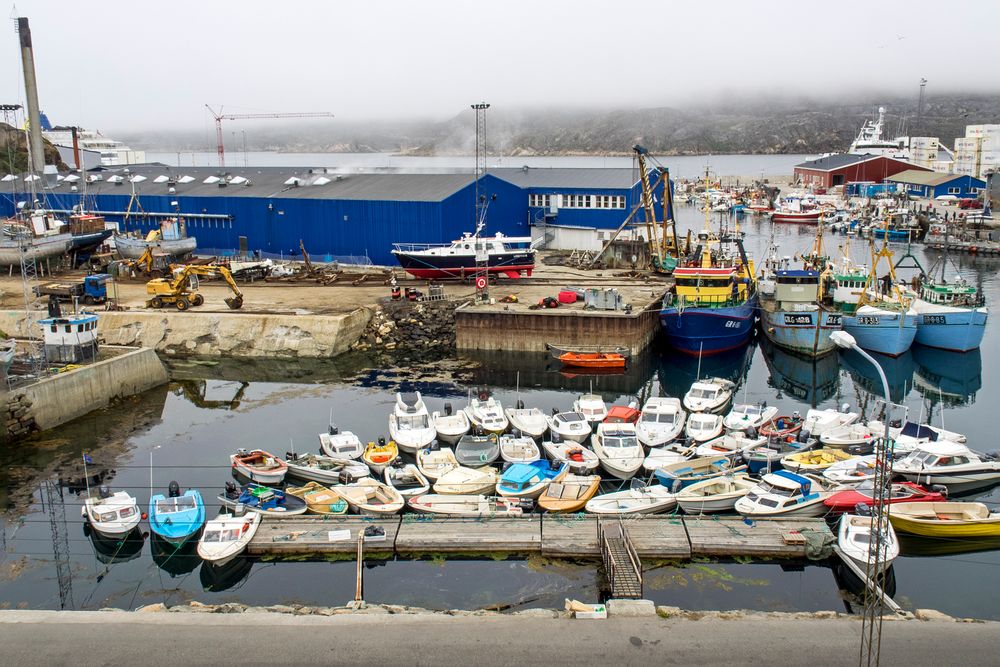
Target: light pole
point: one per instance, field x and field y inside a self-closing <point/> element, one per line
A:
<point x="871" y="624"/>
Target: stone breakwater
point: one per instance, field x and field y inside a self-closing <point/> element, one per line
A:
<point x="404" y="326"/>
<point x="16" y="416"/>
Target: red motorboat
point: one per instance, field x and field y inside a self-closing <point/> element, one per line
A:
<point x="900" y="492"/>
<point x="782" y="426"/>
<point x="796" y="216"/>
<point x="622" y="414"/>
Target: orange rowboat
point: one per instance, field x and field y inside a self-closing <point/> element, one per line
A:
<point x="592" y="359"/>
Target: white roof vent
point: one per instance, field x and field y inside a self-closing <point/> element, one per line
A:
<point x="185" y="179"/>
<point x="239" y="180"/>
<point x="161" y="179"/>
<point x="94" y="177"/>
<point x="322" y="180"/>
<point x="8" y="178"/>
<point x="72" y="178"/>
<point x="138" y="178"/>
<point x="210" y="180"/>
<point x="32" y="177"/>
<point x="115" y="179"/>
<point x="294" y="181"/>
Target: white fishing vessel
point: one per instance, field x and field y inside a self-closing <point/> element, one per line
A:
<point x="467" y="481"/>
<point x="528" y="421"/>
<point x="854" y="537"/>
<point x="667" y="454"/>
<point x="434" y="462"/>
<point x="324" y="469"/>
<point x="592" y="407"/>
<point x="341" y="445"/>
<point x="580" y="458"/>
<point x="745" y="416"/>
<point x="640" y="498"/>
<point x="410" y="423"/>
<point x="111" y="515"/>
<point x="519" y="449"/>
<point x="407" y="480"/>
<point x="849" y="435"/>
<point x="783" y="493"/>
<point x="718" y="494"/>
<point x="661" y="420"/>
<point x="818" y="422"/>
<point x="733" y="444"/>
<point x="949" y="463"/>
<point x="469" y="505"/>
<point x="852" y="471"/>
<point x="371" y="497"/>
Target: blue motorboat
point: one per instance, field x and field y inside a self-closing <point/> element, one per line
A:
<point x="176" y="517"/>
<point x="529" y="480"/>
<point x="262" y="499"/>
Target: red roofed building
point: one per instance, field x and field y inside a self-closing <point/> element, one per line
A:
<point x="843" y="168"/>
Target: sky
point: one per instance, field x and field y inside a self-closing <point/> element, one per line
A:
<point x="128" y="66"/>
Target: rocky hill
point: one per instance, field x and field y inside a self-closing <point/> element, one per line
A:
<point x="14" y="151"/>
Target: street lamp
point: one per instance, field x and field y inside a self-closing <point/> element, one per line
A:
<point x="846" y="341"/>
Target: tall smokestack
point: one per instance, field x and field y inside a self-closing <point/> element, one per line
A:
<point x="76" y="147"/>
<point x="31" y="91"/>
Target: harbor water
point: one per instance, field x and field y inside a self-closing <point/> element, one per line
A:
<point x="186" y="431"/>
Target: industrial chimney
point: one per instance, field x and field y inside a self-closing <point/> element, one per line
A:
<point x="31" y="91"/>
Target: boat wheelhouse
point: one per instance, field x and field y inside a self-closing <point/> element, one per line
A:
<point x="70" y="339"/>
<point x="511" y="256"/>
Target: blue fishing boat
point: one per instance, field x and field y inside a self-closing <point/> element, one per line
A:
<point x="528" y="480"/>
<point x="262" y="499"/>
<point x="176" y="517"/>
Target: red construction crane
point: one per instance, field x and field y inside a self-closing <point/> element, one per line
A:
<point x="219" y="116"/>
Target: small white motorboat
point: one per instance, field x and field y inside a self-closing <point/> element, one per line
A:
<point x="818" y="422"/>
<point x="618" y="449"/>
<point x="519" y="449"/>
<point x="783" y="493"/>
<point x="407" y="479"/>
<point x="371" y="497"/>
<point x="852" y="471"/>
<point x="226" y="536"/>
<point x="259" y="466"/>
<point x="469" y="505"/>
<point x="911" y="435"/>
<point x="745" y="416"/>
<point x="324" y="469"/>
<point x="341" y="445"/>
<point x="579" y="458"/>
<point x="849" y="435"/>
<point x="703" y="426"/>
<point x="711" y="395"/>
<point x="434" y="462"/>
<point x="410" y="423"/>
<point x="718" y="494"/>
<point x="569" y="426"/>
<point x="450" y="427"/>
<point x="467" y="481"/>
<point x="671" y="453"/>
<point x="733" y="444"/>
<point x="641" y="498"/>
<point x="476" y="451"/>
<point x="854" y="537"/>
<point x="487" y="415"/>
<point x="528" y="421"/>
<point x="592" y="407"/>
<point x="111" y="515"/>
<point x="949" y="463"/>
<point x="661" y="420"/>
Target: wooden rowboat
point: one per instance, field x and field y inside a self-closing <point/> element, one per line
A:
<point x="319" y="499"/>
<point x="592" y="360"/>
<point x="569" y="493"/>
<point x="558" y="350"/>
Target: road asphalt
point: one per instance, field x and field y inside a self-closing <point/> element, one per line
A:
<point x="221" y="640"/>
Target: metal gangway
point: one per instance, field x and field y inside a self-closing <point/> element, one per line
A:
<point x="622" y="566"/>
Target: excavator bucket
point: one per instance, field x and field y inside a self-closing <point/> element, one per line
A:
<point x="235" y="302"/>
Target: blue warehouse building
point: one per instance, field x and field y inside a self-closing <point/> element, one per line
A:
<point x="347" y="216"/>
<point x="932" y="184"/>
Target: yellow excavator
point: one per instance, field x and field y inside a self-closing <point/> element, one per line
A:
<point x="181" y="290"/>
<point x="150" y="264"/>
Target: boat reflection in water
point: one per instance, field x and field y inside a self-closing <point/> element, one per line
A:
<point x="898" y="371"/>
<point x="950" y="377"/>
<point x="174" y="561"/>
<point x="215" y="578"/>
<point x="811" y="381"/>
<point x="110" y="551"/>
<point x="677" y="371"/>
<point x="851" y="584"/>
<point x="924" y="547"/>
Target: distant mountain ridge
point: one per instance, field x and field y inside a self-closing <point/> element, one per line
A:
<point x="763" y="127"/>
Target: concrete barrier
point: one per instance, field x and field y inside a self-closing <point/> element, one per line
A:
<point x="222" y="334"/>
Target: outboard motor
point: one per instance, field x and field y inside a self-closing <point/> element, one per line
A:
<point x="381" y="442"/>
<point x="804" y="435"/>
<point x="555" y="411"/>
<point x="333" y="429"/>
<point x="291" y="456"/>
<point x="519" y="405"/>
<point x="845" y="408"/>
<point x="556" y="438"/>
<point x="479" y="431"/>
<point x="232" y="491"/>
<point x="940" y="488"/>
<point x="103" y="491"/>
<point x="896" y="423"/>
<point x="506" y="465"/>
<point x="398" y="462"/>
<point x="448" y="409"/>
<point x="526" y="504"/>
<point x="346" y="477"/>
<point x="516" y="433"/>
<point x="752" y="433"/>
<point x="992" y="455"/>
<point x="241" y="452"/>
<point x="861" y="509"/>
<point x="173" y="489"/>
<point x="434" y="446"/>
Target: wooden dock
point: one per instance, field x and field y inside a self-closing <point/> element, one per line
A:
<point x="672" y="537"/>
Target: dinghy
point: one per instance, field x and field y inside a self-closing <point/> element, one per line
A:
<point x="711" y="395"/>
<point x="476" y="451"/>
<point x="450" y="427"/>
<point x="945" y="520"/>
<point x="529" y="421"/>
<point x="640" y="498"/>
<point x="783" y="426"/>
<point x="592" y="407"/>
<point x="672" y="453"/>
<point x="371" y="497"/>
<point x="324" y="469"/>
<point x="320" y="499"/>
<point x="407" y="479"/>
<point x="848" y="435"/>
<point x="949" y="463"/>
<point x="176" y="517"/>
<point x="767" y="457"/>
<point x="262" y="499"/>
<point x="487" y="415"/>
<point x="818" y="422"/>
<point x="661" y="421"/>
<point x="815" y="460"/>
<point x="854" y="537"/>
<point x="569" y="494"/>
<point x="528" y="480"/>
<point x="718" y="494"/>
<point x="519" y="449"/>
<point x="379" y="455"/>
<point x="749" y="416"/>
<point x="469" y="505"/>
<point x="111" y="515"/>
<point x="226" y="536"/>
<point x="410" y="423"/>
<point x="733" y="445"/>
<point x="259" y="466"/>
<point x="569" y="426"/>
<point x="434" y="462"/>
<point x="579" y="458"/>
<point x="618" y="449"/>
<point x="852" y="471"/>
<point x="899" y="492"/>
<point x="676" y="476"/>
<point x="341" y="445"/>
<point x="703" y="426"/>
<point x="467" y="481"/>
<point x="783" y="493"/>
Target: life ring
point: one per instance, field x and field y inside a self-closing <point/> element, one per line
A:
<point x="481" y="282"/>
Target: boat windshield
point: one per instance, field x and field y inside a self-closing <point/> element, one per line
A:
<point x="223" y="535"/>
<point x="620" y="441"/>
<point x="767" y="487"/>
<point x="412" y="422"/>
<point x="172" y="505"/>
<point x="922" y="458"/>
<point x="568" y="417"/>
<point x="749" y="410"/>
<point x="653" y="418"/>
<point x="703" y="393"/>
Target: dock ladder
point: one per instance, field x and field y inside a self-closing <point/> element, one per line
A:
<point x="622" y="566"/>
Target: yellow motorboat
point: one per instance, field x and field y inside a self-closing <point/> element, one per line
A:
<point x="319" y="499"/>
<point x="945" y="519"/>
<point x="814" y="460"/>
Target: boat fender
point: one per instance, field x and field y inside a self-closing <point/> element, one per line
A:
<point x="173" y="489"/>
<point x="447" y="409"/>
